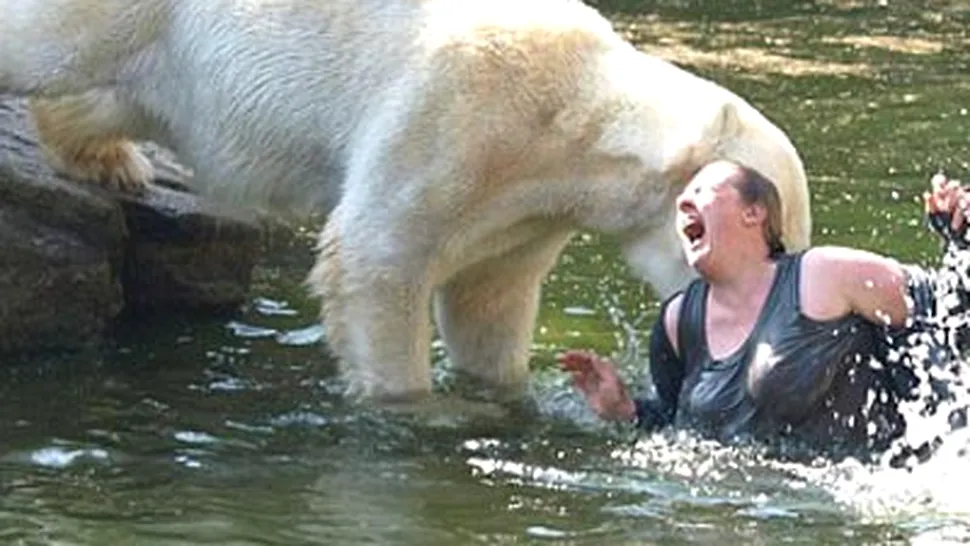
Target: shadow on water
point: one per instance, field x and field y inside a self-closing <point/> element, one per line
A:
<point x="231" y="431"/>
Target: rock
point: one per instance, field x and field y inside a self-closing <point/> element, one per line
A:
<point x="185" y="254"/>
<point x="55" y="288"/>
<point x="73" y="256"/>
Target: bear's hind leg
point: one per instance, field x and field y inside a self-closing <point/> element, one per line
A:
<point x="85" y="137"/>
<point x="486" y="313"/>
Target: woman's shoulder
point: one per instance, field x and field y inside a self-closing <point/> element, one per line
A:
<point x="837" y="253"/>
<point x="670" y="315"/>
<point x="834" y="277"/>
<point x="838" y="260"/>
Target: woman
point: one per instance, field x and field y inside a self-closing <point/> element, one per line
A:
<point x="773" y="345"/>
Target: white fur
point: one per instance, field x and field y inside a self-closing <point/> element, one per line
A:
<point x="455" y="145"/>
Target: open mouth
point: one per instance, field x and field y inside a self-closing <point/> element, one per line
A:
<point x="694" y="230"/>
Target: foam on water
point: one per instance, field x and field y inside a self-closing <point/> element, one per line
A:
<point x="933" y="491"/>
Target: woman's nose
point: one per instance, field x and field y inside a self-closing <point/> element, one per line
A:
<point x="685" y="203"/>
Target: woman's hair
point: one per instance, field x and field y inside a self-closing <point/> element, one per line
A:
<point x="755" y="189"/>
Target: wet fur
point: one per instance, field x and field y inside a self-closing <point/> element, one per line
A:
<point x="455" y="146"/>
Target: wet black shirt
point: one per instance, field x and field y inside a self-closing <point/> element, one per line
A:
<point x="816" y="381"/>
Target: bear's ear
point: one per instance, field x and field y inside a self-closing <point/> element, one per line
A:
<point x="725" y="125"/>
<point x="686" y="162"/>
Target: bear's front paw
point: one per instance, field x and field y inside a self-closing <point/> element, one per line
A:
<point x="115" y="165"/>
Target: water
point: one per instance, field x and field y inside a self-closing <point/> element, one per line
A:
<point x="230" y="431"/>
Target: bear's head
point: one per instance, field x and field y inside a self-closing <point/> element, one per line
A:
<point x="644" y="211"/>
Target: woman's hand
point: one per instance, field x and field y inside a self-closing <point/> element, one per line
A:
<point x="947" y="206"/>
<point x="597" y="379"/>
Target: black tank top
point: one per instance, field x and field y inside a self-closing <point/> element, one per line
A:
<point x="793" y="376"/>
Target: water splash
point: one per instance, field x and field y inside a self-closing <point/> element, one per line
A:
<point x="920" y="480"/>
<point x="931" y="491"/>
<point x="630" y="331"/>
<point x="918" y="483"/>
<point x="932" y="353"/>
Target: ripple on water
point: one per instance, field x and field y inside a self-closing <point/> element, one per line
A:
<point x="300" y="418"/>
<point x="59" y="457"/>
<point x="195" y="437"/>
<point x="270" y="307"/>
<point x="297" y="337"/>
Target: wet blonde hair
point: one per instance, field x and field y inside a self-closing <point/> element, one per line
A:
<point x="756" y="189"/>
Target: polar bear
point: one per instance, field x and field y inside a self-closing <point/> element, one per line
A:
<point x="455" y="147"/>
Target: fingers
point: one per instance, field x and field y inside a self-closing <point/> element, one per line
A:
<point x="586" y="383"/>
<point x="947" y="196"/>
<point x="941" y="192"/>
<point x="576" y="360"/>
<point x="588" y="370"/>
<point x="953" y="193"/>
<point x="932" y="199"/>
<point x="581" y="360"/>
<point x="944" y="195"/>
<point x="603" y="368"/>
<point x="579" y="365"/>
<point x="937" y="181"/>
<point x="596" y="378"/>
<point x="960" y="212"/>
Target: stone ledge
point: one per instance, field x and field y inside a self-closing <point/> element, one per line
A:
<point x="73" y="257"/>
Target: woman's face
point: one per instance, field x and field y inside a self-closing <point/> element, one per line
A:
<point x="711" y="215"/>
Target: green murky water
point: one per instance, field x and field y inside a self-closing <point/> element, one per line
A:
<point x="210" y="432"/>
